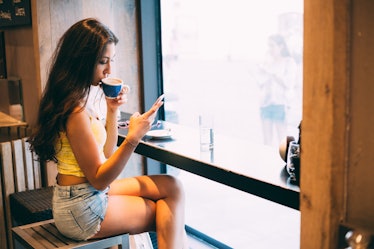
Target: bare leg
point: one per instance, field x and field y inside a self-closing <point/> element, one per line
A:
<point x="145" y="203"/>
<point x="281" y="131"/>
<point x="267" y="131"/>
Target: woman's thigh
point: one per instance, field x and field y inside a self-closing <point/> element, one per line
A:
<point x="132" y="203"/>
<point x="127" y="214"/>
<point x="153" y="187"/>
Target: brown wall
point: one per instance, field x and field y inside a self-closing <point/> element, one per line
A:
<point x="337" y="146"/>
<point x="28" y="49"/>
<point x="360" y="174"/>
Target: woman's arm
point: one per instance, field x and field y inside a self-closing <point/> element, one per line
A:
<point x="111" y="127"/>
<point x="111" y="124"/>
<point x="101" y="174"/>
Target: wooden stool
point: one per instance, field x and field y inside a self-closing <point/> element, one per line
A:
<point x="44" y="234"/>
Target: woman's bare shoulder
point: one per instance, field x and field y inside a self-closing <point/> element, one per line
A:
<point x="78" y="118"/>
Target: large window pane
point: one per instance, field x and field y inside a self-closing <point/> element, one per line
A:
<point x="242" y="61"/>
<point x="234" y="57"/>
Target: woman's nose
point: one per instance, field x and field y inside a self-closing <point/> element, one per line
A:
<point x="108" y="69"/>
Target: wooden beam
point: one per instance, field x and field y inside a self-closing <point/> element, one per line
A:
<point x="325" y="121"/>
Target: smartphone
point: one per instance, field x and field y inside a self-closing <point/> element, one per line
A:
<point x="159" y="99"/>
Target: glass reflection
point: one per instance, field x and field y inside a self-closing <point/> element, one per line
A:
<point x="240" y="60"/>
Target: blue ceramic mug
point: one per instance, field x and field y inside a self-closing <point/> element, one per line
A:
<point x="112" y="87"/>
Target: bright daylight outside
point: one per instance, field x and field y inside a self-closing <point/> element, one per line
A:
<point x="242" y="61"/>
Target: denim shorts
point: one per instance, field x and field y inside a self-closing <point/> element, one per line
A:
<point x="78" y="210"/>
<point x="274" y="112"/>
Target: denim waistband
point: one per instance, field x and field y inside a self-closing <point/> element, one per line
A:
<point x="78" y="189"/>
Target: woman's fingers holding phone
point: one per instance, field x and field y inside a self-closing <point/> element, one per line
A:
<point x="159" y="99"/>
<point x="141" y="123"/>
<point x="151" y="113"/>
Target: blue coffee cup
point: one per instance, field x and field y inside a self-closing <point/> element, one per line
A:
<point x="111" y="87"/>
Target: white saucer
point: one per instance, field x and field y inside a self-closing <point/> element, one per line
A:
<point x="159" y="134"/>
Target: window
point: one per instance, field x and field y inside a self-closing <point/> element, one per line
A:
<point x="242" y="61"/>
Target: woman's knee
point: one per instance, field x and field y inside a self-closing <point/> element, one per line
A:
<point x="174" y="186"/>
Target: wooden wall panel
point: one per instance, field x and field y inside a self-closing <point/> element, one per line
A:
<point x="360" y="175"/>
<point x="119" y="15"/>
<point x="324" y="125"/>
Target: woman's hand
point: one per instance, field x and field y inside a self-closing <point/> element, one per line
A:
<point x="113" y="104"/>
<point x="140" y="124"/>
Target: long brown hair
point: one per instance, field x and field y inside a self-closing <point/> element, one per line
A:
<point x="68" y="85"/>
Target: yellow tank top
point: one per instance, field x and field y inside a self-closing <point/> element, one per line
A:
<point x="66" y="161"/>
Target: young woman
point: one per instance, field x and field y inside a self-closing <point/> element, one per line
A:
<point x="89" y="201"/>
<point x="278" y="77"/>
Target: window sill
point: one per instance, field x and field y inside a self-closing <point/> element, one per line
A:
<point x="252" y="168"/>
